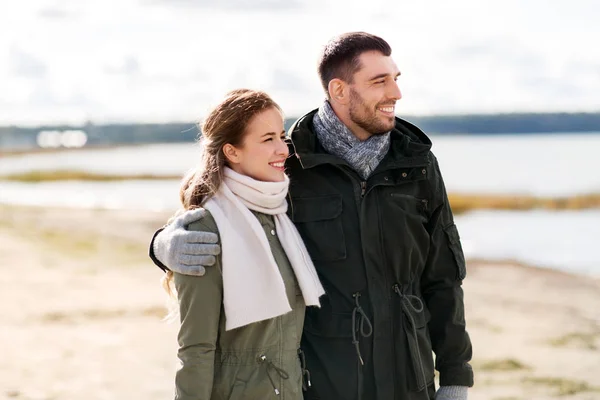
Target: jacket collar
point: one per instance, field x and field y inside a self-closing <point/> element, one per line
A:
<point x="409" y="146"/>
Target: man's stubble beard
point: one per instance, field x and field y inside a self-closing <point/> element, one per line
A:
<point x="369" y="123"/>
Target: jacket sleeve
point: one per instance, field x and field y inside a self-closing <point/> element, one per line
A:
<point x="441" y="285"/>
<point x="200" y="299"/>
<point x="151" y="254"/>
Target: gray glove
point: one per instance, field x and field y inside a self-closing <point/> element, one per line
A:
<point x="183" y="251"/>
<point x="452" y="393"/>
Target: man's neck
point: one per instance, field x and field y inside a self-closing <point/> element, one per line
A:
<point x="344" y="116"/>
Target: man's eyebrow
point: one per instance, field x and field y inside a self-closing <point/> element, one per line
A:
<point x="384" y="75"/>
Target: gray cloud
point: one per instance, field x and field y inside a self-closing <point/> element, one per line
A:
<point x="548" y="86"/>
<point x="286" y="80"/>
<point x="578" y="68"/>
<point x="53" y="13"/>
<point x="26" y="65"/>
<point x="44" y="96"/>
<point x="130" y="66"/>
<point x="239" y="5"/>
<point x="471" y="50"/>
<point x="503" y="52"/>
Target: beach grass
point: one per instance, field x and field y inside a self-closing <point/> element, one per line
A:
<point x="585" y="340"/>
<point x="68" y="175"/>
<point x="503" y="365"/>
<point x="460" y="202"/>
<point x="467" y="202"/>
<point x="562" y="386"/>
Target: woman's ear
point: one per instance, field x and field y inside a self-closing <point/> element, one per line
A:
<point x="231" y="154"/>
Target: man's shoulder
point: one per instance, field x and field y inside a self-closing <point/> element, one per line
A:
<point x="413" y="132"/>
<point x="301" y="130"/>
<point x="206" y="224"/>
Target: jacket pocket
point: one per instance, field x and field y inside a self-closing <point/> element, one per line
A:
<point x="426" y="353"/>
<point x="417" y="357"/>
<point x="241" y="382"/>
<point x="329" y="325"/>
<point x="238" y="391"/>
<point x="410" y="204"/>
<point x="422" y="358"/>
<point x="457" y="251"/>
<point x="319" y="223"/>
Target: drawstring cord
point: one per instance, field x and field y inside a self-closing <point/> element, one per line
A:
<point x="363" y="319"/>
<point x="366" y="329"/>
<point x="305" y="372"/>
<point x="271" y="366"/>
<point x="411" y="302"/>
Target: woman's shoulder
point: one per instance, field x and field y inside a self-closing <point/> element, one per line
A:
<point x="206" y="224"/>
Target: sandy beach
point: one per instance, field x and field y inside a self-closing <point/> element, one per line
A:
<point x="82" y="307"/>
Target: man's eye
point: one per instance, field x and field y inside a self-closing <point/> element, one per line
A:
<point x="379" y="82"/>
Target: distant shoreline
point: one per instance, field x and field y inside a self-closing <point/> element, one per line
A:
<point x="24" y="137"/>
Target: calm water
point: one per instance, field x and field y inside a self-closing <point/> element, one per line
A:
<point x="538" y="165"/>
<point x="528" y="164"/>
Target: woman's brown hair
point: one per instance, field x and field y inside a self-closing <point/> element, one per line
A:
<point x="226" y="123"/>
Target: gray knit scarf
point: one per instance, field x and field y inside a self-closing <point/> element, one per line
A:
<point x="338" y="140"/>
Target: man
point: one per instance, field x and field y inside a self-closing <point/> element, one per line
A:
<point x="368" y="199"/>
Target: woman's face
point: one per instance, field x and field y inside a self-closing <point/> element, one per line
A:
<point x="263" y="151"/>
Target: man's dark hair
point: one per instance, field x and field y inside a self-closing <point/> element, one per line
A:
<point x="340" y="57"/>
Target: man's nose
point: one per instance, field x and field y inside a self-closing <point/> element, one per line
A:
<point x="394" y="91"/>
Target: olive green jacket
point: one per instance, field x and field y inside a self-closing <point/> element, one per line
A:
<point x="257" y="361"/>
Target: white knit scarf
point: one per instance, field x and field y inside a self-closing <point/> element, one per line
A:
<point x="253" y="289"/>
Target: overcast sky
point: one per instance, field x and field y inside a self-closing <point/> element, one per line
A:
<point x="169" y="60"/>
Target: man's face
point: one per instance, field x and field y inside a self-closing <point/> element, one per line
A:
<point x="373" y="93"/>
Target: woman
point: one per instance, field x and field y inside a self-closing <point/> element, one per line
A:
<point x="241" y="323"/>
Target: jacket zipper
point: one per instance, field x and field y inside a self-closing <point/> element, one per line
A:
<point x="363" y="192"/>
<point x="396" y="289"/>
<point x="359" y="200"/>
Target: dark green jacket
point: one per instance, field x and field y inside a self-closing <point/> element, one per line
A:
<point x="389" y="257"/>
<point x="249" y="362"/>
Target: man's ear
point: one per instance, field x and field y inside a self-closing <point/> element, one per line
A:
<point x="339" y="91"/>
<point x="231" y="154"/>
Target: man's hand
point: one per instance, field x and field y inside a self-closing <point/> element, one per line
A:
<point x="183" y="251"/>
<point x="452" y="393"/>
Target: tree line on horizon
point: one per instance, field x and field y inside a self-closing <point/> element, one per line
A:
<point x="129" y="133"/>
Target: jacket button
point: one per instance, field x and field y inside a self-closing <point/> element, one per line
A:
<point x="386" y="179"/>
<point x="424" y="171"/>
<point x="273" y="232"/>
<point x="404" y="174"/>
